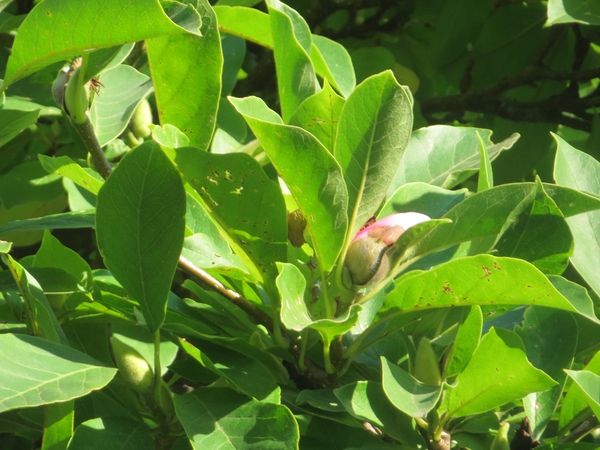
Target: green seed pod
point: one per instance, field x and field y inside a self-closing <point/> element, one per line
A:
<point x="427" y="369"/>
<point x="142" y="117"/>
<point x="134" y="369"/>
<point x="367" y="261"/>
<point x="501" y="440"/>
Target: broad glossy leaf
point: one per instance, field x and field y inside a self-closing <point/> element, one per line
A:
<point x="407" y="393"/>
<point x="68" y="168"/>
<point x="332" y="62"/>
<point x="240" y="197"/>
<point x="186" y="71"/>
<point x="140" y="221"/>
<point x="537" y="231"/>
<point x="550" y="351"/>
<point x="319" y="114"/>
<point x="169" y="136"/>
<point x="466" y="341"/>
<point x="245" y="373"/>
<point x="14" y="121"/>
<point x="366" y="400"/>
<point x="213" y="254"/>
<point x="486" y="213"/>
<point x="222" y="418"/>
<point x="580" y="171"/>
<point x="296" y="78"/>
<point x="576" y="400"/>
<point x="445" y="156"/>
<point x="310" y="172"/>
<point x="373" y="132"/>
<point x="478" y="280"/>
<point x="234" y="52"/>
<point x="106" y="59"/>
<point x="589" y="383"/>
<point x="58" y="425"/>
<point x="248" y="23"/>
<point x="63" y="220"/>
<point x="112" y="432"/>
<point x="50" y="279"/>
<point x="573" y="11"/>
<point x="423" y="198"/>
<point x="318" y="435"/>
<point x="60" y="29"/>
<point x="35" y="372"/>
<point x="29" y="182"/>
<point x="124" y="88"/>
<point x="53" y="253"/>
<point x="41" y="320"/>
<point x="294" y="311"/>
<point x="497" y="373"/>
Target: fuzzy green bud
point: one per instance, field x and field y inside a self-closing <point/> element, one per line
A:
<point x="142" y="117"/>
<point x="501" y="440"/>
<point x="77" y="98"/>
<point x="134" y="369"/>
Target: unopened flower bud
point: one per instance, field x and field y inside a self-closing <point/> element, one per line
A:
<point x="134" y="369"/>
<point x="367" y="258"/>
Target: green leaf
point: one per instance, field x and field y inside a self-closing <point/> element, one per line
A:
<point x="222" y="418"/>
<point x="486" y="213"/>
<point x="576" y="400"/>
<point x="573" y="11"/>
<point x="580" y="171"/>
<point x="240" y="197"/>
<point x="478" y="280"/>
<point x="497" y="373"/>
<point x="294" y="311"/>
<point x="466" y="341"/>
<point x="58" y="425"/>
<point x="319" y="114"/>
<point x="367" y="401"/>
<point x="589" y="383"/>
<point x="53" y="254"/>
<point x="186" y="71"/>
<point x="551" y="352"/>
<point x="29" y="182"/>
<point x="423" y="198"/>
<point x="373" y="132"/>
<point x="310" y="172"/>
<point x="445" y="156"/>
<point x="332" y="61"/>
<point x="169" y="136"/>
<point x="68" y="220"/>
<point x="68" y="168"/>
<point x="536" y="231"/>
<point x="112" y="432"/>
<point x="407" y="393"/>
<point x="15" y="121"/>
<point x="245" y="373"/>
<point x="213" y="254"/>
<point x="296" y="78"/>
<point x="486" y="176"/>
<point x="59" y="29"/>
<point x="248" y="23"/>
<point x="41" y="320"/>
<point x="124" y="89"/>
<point x="35" y="372"/>
<point x="140" y="221"/>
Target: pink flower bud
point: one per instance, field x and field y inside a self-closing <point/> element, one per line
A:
<point x="367" y="259"/>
